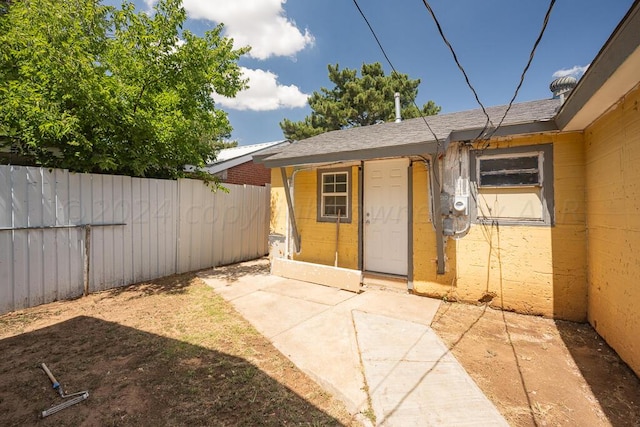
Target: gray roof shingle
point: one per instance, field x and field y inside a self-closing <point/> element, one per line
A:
<point x="410" y="137"/>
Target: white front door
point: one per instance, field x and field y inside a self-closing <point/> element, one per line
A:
<point x="386" y="216"/>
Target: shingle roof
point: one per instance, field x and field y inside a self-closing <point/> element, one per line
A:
<point x="412" y="137"/>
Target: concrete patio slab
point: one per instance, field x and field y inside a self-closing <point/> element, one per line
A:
<point x="325" y="347"/>
<point x="298" y="289"/>
<point x="273" y="314"/>
<point x="397" y="305"/>
<point x="414" y="380"/>
<point x="373" y="350"/>
<point x="239" y="287"/>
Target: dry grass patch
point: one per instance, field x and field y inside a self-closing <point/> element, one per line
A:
<point x="166" y="352"/>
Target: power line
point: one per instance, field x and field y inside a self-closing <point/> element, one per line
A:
<point x="464" y="73"/>
<point x="526" y="68"/>
<point x="374" y="34"/>
<point x="396" y="73"/>
<point x="455" y="58"/>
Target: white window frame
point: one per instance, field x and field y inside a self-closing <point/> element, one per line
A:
<point x="344" y="216"/>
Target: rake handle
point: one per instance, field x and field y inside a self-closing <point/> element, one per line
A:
<point x="56" y="384"/>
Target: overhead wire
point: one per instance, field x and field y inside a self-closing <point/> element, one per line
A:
<point x="482" y="134"/>
<point x="524" y="71"/>
<point x="488" y="121"/>
<point x="460" y="67"/>
<point x="384" y="53"/>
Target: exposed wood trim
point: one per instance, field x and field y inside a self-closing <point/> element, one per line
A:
<point x="292" y="217"/>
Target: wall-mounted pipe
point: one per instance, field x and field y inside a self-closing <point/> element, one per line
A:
<point x="437" y="218"/>
<point x="292" y="217"/>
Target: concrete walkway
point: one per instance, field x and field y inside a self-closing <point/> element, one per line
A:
<point x="374" y="350"/>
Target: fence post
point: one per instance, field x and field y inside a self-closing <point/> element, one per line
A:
<point x="87" y="257"/>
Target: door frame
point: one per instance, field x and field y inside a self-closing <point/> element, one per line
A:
<point x="409" y="229"/>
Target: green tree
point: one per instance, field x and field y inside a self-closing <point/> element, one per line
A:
<point x="96" y="88"/>
<point x="358" y="101"/>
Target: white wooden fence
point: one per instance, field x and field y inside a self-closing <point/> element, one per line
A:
<point x="63" y="234"/>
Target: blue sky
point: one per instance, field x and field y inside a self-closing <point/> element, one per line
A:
<point x="294" y="40"/>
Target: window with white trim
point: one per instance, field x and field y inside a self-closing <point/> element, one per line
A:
<point x="514" y="185"/>
<point x="334" y="193"/>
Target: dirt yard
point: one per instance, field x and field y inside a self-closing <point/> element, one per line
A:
<point x="164" y="353"/>
<point x="171" y="352"/>
<point x="540" y="372"/>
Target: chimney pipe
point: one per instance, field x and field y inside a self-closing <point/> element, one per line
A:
<point x="398" y="116"/>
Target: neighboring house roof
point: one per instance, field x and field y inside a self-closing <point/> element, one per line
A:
<point x="413" y="137"/>
<point x="230" y="157"/>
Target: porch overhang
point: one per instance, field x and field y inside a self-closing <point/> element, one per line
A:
<point x="417" y="149"/>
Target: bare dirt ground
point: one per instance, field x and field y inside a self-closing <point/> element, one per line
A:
<point x="540" y="372"/>
<point x="168" y="352"/>
<point x="171" y="352"/>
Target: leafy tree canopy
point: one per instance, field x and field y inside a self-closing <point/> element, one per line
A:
<point x="95" y="88"/>
<point x="358" y="101"/>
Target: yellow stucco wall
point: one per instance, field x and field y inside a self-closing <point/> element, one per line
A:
<point x="530" y="269"/>
<point x="533" y="269"/>
<point x="318" y="239"/>
<point x="278" y="217"/>
<point x="613" y="219"/>
<point x="426" y="281"/>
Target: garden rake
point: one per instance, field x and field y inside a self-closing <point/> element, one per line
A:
<point x="74" y="397"/>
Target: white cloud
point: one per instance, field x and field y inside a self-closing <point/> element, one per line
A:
<point x="261" y="24"/>
<point x="264" y="94"/>
<point x="576" y="71"/>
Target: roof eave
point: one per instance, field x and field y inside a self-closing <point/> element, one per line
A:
<point x="505" y="130"/>
<point x="261" y="155"/>
<point x="611" y="75"/>
<point x="227" y="164"/>
<point x="417" y="149"/>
